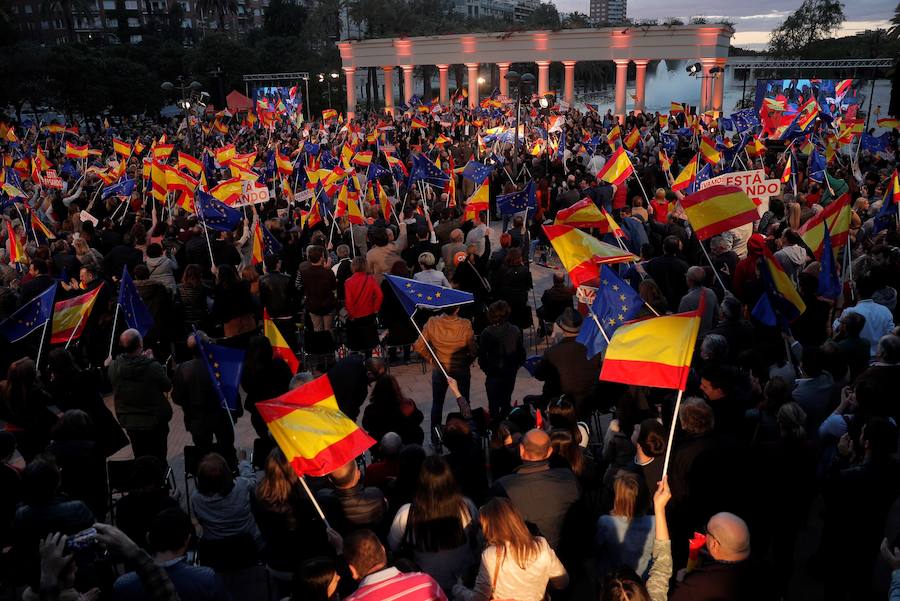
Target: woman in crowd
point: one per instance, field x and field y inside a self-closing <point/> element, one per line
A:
<point x="512" y="283"/>
<point x="516" y="564"/>
<point x="389" y="410"/>
<point x="501" y="352"/>
<point x="315" y="580"/>
<point x="194" y="298"/>
<point x="221" y="503"/>
<point x="439" y="529"/>
<point x="625" y="536"/>
<point x="362" y="300"/>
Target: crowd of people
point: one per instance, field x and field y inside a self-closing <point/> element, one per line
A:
<point x="782" y="478"/>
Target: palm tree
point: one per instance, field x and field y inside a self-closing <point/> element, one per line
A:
<point x="218" y="7"/>
<point x="894" y="31"/>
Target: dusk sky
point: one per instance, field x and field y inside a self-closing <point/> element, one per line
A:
<point x="754" y="21"/>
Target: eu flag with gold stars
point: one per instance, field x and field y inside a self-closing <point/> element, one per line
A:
<point x="29" y="317"/>
<point x="224" y="365"/>
<point x="615" y="303"/>
<point x="414" y="294"/>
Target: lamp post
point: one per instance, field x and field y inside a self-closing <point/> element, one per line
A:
<point x="188" y="102"/>
<point x="521" y="84"/>
<point x="308" y="100"/>
<point x="323" y="78"/>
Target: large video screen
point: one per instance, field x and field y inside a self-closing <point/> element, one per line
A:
<point x="794" y="92"/>
<point x="275" y="93"/>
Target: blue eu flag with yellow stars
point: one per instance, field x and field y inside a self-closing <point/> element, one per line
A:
<point x="29" y="317"/>
<point x="224" y="365"/>
<point x="516" y="202"/>
<point x="215" y="214"/>
<point x="133" y="308"/>
<point x="615" y="303"/>
<point x="414" y="294"/>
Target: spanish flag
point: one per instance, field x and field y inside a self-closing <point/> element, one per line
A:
<point x="76" y="152"/>
<point x="40" y="159"/>
<point x="138" y="147"/>
<point x="16" y="254"/>
<point x="617" y="169"/>
<point x="280" y="347"/>
<point x="479" y="201"/>
<point x="70" y="316"/>
<point x="756" y="147"/>
<point x="786" y="174"/>
<point x="581" y="254"/>
<point x="653" y="352"/>
<point x="614" y="134"/>
<point x="257" y="251"/>
<point x="121" y="148"/>
<point x="384" y="203"/>
<point x="284" y="164"/>
<point x="717" y="209"/>
<point x="610" y="226"/>
<point x="676" y="107"/>
<point x="38" y="226"/>
<point x="837" y="217"/>
<point x="228" y="191"/>
<point x="347" y="206"/>
<point x="162" y="152"/>
<point x="192" y="164"/>
<point x="686" y="177"/>
<point x="665" y="163"/>
<point x="224" y="154"/>
<point x="889" y="123"/>
<point x="328" y="114"/>
<point x="781" y="302"/>
<point x="632" y="139"/>
<point x="159" y="181"/>
<point x="583" y="213"/>
<point x="709" y="152"/>
<point x="417" y="123"/>
<point x="310" y="429"/>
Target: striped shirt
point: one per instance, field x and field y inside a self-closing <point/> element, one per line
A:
<point x="390" y="584"/>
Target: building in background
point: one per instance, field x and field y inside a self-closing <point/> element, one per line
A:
<point x="513" y="11"/>
<point x="608" y="12"/>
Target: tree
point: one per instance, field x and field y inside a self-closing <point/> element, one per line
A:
<point x="813" y="21"/>
<point x="283" y="18"/>
<point x="894" y="31"/>
<point x="545" y="16"/>
<point x="219" y="8"/>
<point x="576" y="20"/>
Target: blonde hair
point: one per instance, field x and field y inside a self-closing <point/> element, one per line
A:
<point x="627" y="489"/>
<point x="503" y="525"/>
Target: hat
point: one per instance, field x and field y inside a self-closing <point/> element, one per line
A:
<point x="459" y="258"/>
<point x="570" y="321"/>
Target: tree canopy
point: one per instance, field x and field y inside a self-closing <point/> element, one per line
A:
<point x="813" y="21"/>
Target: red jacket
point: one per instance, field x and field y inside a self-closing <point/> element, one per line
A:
<point x="362" y="295"/>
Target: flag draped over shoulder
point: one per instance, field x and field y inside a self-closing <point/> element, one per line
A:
<point x="581" y="253"/>
<point x="653" y="352"/>
<point x="717" y="209"/>
<point x="70" y="316"/>
<point x="315" y="436"/>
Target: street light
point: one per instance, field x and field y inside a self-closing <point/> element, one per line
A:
<point x="521" y="84"/>
<point x="305" y="79"/>
<point x="324" y="79"/>
<point x="480" y="81"/>
<point x="696" y="70"/>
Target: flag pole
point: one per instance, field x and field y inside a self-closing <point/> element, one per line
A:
<point x="427" y="345"/>
<point x="672" y="434"/>
<point x="37" y="361"/>
<point x="315" y="503"/>
<point x="112" y="338"/>
<point x="72" y="335"/>
<point x="715" y="271"/>
<point x="599" y="325"/>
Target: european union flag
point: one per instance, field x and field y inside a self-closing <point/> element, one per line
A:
<point x="215" y="214"/>
<point x="669" y="143"/>
<point x="270" y="166"/>
<point x="69" y="169"/>
<point x="375" y="171"/>
<point x="136" y="313"/>
<point x="424" y="169"/>
<point x="726" y="124"/>
<point x="875" y="144"/>
<point x="271" y="245"/>
<point x="209" y="166"/>
<point x="516" y="202"/>
<point x="704" y="174"/>
<point x="561" y="151"/>
<point x="224" y="365"/>
<point x="477" y="172"/>
<point x="815" y="166"/>
<point x="615" y="302"/>
<point x="12" y="177"/>
<point x="122" y="188"/>
<point x="829" y="282"/>
<point x="327" y="160"/>
<point x="29" y="317"/>
<point x="745" y="119"/>
<point x="413" y="294"/>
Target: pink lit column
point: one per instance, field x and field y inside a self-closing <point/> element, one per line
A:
<point x="718" y="95"/>
<point x="473" y="84"/>
<point x="543" y="77"/>
<point x="504" y="85"/>
<point x="569" y="82"/>
<point x="388" y="89"/>
<point x="407" y="82"/>
<point x="621" y="82"/>
<point x="445" y="92"/>
<point x="640" y="81"/>
<point x="350" y="74"/>
<point x="706" y="87"/>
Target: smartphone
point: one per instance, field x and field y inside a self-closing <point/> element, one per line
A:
<point x="82" y="540"/>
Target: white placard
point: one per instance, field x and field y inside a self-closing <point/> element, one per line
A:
<point x="754" y="183"/>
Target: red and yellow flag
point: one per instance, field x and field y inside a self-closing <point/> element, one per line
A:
<point x="384" y="203"/>
<point x="632" y="139"/>
<point x="159" y="185"/>
<point x="653" y="352"/>
<point x="708" y="151"/>
<point x="70" y="316"/>
<point x="328" y="114"/>
<point x="718" y="209"/>
<point x="617" y="169"/>
<point x="310" y="429"/>
<point x="583" y="213"/>
<point x="228" y="191"/>
<point x="582" y="254"/>
<point x="16" y="253"/>
<point x="665" y="163"/>
<point x="888" y="123"/>
<point x="280" y="347"/>
<point x="283" y="164"/>
<point x="686" y="177"/>
<point x="38" y="226"/>
<point x="788" y="171"/>
<point x="837" y="216"/>
<point x="257" y="250"/>
<point x="121" y="148"/>
<point x="192" y="164"/>
<point x="162" y="152"/>
<point x="76" y="152"/>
